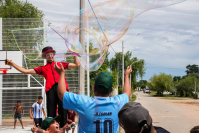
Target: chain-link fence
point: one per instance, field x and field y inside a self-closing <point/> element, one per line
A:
<point x="26" y="43"/>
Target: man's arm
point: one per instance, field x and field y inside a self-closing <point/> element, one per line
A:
<point x="30" y="112"/>
<point x="75" y="64"/>
<point x="61" y="83"/>
<point x="127" y="88"/>
<point x="44" y="113"/>
<point x="20" y="69"/>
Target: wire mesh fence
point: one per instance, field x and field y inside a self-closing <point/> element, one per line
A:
<point x="31" y="47"/>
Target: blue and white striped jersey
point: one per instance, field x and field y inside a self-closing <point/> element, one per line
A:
<point x="37" y="110"/>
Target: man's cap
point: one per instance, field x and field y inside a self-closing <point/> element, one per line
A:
<point x="48" y="120"/>
<point x="104" y="79"/>
<point x="47" y="49"/>
<point x="132" y="115"/>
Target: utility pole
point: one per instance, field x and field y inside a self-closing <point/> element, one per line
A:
<point x="82" y="41"/>
<point x="122" y="65"/>
<point x="117" y="77"/>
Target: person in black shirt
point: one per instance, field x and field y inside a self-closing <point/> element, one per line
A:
<point x="134" y="118"/>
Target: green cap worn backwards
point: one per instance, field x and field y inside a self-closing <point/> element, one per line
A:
<point x="48" y="120"/>
<point x="104" y="79"/>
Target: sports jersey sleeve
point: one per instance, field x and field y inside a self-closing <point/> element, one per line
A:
<point x="65" y="65"/>
<point x="75" y="102"/>
<point x="42" y="106"/>
<point x="123" y="99"/>
<point x="38" y="70"/>
<point x="33" y="105"/>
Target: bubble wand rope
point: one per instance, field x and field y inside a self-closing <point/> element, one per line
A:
<point x="19" y="47"/>
<point x="76" y="54"/>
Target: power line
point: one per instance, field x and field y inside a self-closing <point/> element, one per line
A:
<point x="99" y="24"/>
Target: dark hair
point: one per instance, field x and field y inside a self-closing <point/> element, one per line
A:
<point x="40" y="97"/>
<point x="18" y="101"/>
<point x="195" y="129"/>
<point x="101" y="92"/>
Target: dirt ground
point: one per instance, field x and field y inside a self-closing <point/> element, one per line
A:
<point x="25" y="121"/>
<point x="187" y="103"/>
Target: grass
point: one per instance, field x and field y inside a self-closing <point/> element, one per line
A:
<point x="169" y="97"/>
<point x="173" y="98"/>
<point x="133" y="98"/>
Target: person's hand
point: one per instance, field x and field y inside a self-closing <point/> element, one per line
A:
<point x="58" y="69"/>
<point x="23" y="114"/>
<point x="8" y="62"/>
<point x="31" y="117"/>
<point x="66" y="126"/>
<point x="13" y="115"/>
<point x="34" y="129"/>
<point x="128" y="71"/>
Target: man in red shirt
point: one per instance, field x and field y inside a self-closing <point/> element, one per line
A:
<point x="52" y="79"/>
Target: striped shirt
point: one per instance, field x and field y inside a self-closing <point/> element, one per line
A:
<point x="37" y="110"/>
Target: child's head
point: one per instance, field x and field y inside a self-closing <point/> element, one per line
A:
<point x="53" y="127"/>
<point x="18" y="103"/>
<point x="70" y="111"/>
<point x="40" y="98"/>
<point x="51" y="124"/>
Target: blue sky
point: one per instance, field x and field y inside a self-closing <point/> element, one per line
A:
<point x="169" y="38"/>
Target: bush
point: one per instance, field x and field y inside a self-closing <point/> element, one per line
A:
<point x="120" y="90"/>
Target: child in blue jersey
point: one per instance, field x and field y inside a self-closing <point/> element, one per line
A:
<point x="98" y="114"/>
<point x="37" y="109"/>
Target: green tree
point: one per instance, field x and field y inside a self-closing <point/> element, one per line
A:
<point x="141" y="82"/>
<point x="187" y="85"/>
<point x="176" y="78"/>
<point x="161" y="82"/>
<point x="137" y="66"/>
<point x="18" y="9"/>
<point x="143" y="86"/>
<point x="192" y="69"/>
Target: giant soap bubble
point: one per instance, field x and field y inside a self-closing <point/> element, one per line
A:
<point x="101" y="25"/>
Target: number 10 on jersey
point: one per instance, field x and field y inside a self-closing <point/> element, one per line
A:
<point x="104" y="126"/>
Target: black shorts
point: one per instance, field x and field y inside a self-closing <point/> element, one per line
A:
<point x="18" y="115"/>
<point x="38" y="122"/>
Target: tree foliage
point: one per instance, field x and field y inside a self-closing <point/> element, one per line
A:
<point x="137" y="66"/>
<point x="192" y="69"/>
<point x="176" y="78"/>
<point x="143" y="86"/>
<point x="188" y="84"/>
<point x="161" y="82"/>
<point x="141" y="82"/>
<point x="18" y="9"/>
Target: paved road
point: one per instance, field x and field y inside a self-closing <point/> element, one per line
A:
<point x="167" y="115"/>
<point x="9" y="129"/>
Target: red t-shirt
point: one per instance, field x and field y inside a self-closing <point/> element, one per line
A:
<point x="50" y="74"/>
<point x="71" y="116"/>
